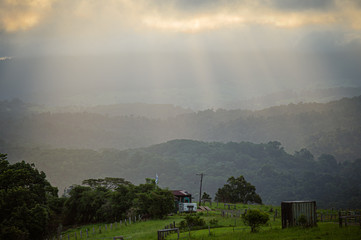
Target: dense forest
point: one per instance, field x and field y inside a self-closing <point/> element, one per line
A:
<point x="277" y="175"/>
<point x="30" y="207"/>
<point x="333" y="128"/>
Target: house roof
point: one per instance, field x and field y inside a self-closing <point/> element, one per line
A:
<point x="180" y="193"/>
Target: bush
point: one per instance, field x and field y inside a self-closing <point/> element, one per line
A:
<point x="255" y="218"/>
<point x="302" y="220"/>
<point x="192" y="221"/>
<point x="213" y="222"/>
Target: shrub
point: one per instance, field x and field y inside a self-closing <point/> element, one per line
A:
<point x="213" y="222"/>
<point x="302" y="220"/>
<point x="255" y="218"/>
<point x="192" y="221"/>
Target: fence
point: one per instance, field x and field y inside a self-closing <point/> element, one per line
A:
<point x="92" y="232"/>
<point x="345" y="216"/>
<point x="163" y="233"/>
<point x="349" y="217"/>
<point x="238" y="213"/>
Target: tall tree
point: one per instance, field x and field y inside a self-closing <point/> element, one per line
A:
<point x="238" y="190"/>
<point x="26" y="199"/>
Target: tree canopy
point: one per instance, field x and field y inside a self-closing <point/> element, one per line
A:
<point x="113" y="199"/>
<point x="238" y="190"/>
<point x="28" y="203"/>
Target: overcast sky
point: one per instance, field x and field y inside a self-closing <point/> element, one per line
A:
<point x="165" y="49"/>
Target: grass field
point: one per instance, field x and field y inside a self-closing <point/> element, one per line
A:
<point x="227" y="228"/>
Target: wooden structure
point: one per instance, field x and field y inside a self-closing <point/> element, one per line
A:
<point x="164" y="232"/>
<point x="345" y="217"/>
<point x="297" y="213"/>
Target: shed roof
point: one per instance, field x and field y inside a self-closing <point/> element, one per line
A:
<point x="305" y="201"/>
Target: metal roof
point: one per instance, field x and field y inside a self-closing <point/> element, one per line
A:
<point x="180" y="193"/>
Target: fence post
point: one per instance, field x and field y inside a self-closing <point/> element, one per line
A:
<point x="80" y="234"/>
<point x="75" y="235"/>
<point x="68" y="236"/>
<point x="87" y="235"/>
<point x="339" y="219"/>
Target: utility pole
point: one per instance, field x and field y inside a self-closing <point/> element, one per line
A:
<point x="200" y="188"/>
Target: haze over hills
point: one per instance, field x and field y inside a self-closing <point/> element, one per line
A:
<point x="333" y="128"/>
<point x="229" y="80"/>
<point x="290" y="96"/>
<point x="277" y="175"/>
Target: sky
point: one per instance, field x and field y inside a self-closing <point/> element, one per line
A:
<point x="191" y="53"/>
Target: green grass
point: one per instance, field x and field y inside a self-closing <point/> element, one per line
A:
<point x="227" y="228"/>
<point x="326" y="231"/>
<point x="138" y="230"/>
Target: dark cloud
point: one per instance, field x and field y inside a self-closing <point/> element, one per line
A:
<point x="287" y="5"/>
<point x="297" y="5"/>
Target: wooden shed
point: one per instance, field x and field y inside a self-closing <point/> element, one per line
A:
<point x="294" y="211"/>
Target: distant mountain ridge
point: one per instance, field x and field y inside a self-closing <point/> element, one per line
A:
<point x="322" y="95"/>
<point x="153" y="111"/>
<point x="333" y="128"/>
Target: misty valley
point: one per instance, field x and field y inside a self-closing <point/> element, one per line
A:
<point x="97" y="159"/>
<point x="178" y="119"/>
<point x="295" y="151"/>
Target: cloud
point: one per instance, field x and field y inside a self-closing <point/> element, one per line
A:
<point x="176" y="15"/>
<point x="5" y="58"/>
<point x="16" y="15"/>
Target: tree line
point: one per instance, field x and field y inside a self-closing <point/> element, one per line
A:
<point x="277" y="175"/>
<point x="31" y="209"/>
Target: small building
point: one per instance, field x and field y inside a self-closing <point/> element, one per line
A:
<point x="183" y="201"/>
<point x="294" y="211"/>
<point x="182" y="196"/>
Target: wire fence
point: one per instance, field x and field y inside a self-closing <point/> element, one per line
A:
<point x="92" y="232"/>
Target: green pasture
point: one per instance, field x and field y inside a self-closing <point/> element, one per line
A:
<point x="227" y="228"/>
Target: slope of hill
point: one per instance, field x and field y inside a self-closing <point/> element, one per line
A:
<point x="277" y="175"/>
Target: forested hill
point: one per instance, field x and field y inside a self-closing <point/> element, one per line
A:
<point x="277" y="175"/>
<point x="333" y="128"/>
